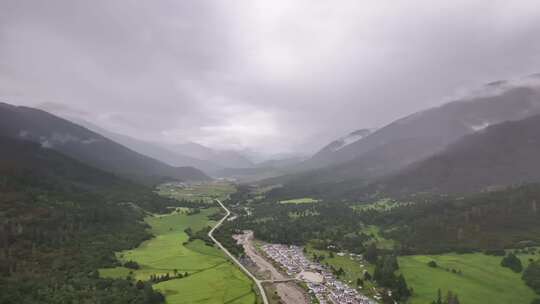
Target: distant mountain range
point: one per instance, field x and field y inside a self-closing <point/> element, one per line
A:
<point x="462" y="146"/>
<point x="160" y="152"/>
<point x="346" y="168"/>
<point x="224" y="158"/>
<point x="436" y="127"/>
<point x="89" y="147"/>
<point x="216" y="163"/>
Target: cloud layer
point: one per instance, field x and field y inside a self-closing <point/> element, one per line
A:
<point x="275" y="76"/>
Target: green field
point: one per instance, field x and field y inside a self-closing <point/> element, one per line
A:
<point x="482" y="281"/>
<point x="304" y="200"/>
<point x="380" y="241"/>
<point x="205" y="192"/>
<point x="212" y="277"/>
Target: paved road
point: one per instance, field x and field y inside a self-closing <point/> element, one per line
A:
<point x="210" y="235"/>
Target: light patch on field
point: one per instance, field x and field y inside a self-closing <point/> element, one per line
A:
<point x="304" y="200"/>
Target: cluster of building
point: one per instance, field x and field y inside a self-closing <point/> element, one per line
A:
<point x="322" y="283"/>
<point x="290" y="258"/>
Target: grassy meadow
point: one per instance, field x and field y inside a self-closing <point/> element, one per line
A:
<point x="212" y="278"/>
<point x="380" y="241"/>
<point x="482" y="279"/>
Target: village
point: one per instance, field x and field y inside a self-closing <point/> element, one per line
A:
<point x="321" y="282"/>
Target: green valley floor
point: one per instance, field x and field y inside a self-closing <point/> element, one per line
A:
<point x="212" y="278"/>
<point x="482" y="279"/>
<point x="478" y="278"/>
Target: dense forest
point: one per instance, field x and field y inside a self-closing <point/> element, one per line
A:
<point x="493" y="220"/>
<point x="322" y="223"/>
<point x="60" y="221"/>
<point x="507" y="218"/>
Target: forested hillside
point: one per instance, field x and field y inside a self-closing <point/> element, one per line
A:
<point x="501" y="155"/>
<point x="60" y="220"/>
<point x="508" y="218"/>
<point x="438" y="126"/>
<point x="418" y="224"/>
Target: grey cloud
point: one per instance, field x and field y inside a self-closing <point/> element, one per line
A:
<point x="266" y="75"/>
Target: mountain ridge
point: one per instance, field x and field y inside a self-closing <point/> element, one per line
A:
<point x="411" y="139"/>
<point x="87" y="146"/>
<point x="151" y="149"/>
<point x="506" y="154"/>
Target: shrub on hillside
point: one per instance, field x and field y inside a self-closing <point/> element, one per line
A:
<point x="531" y="276"/>
<point x="513" y="262"/>
<point x="132" y="265"/>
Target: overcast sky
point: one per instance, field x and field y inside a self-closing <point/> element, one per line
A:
<point x="275" y="76"/>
